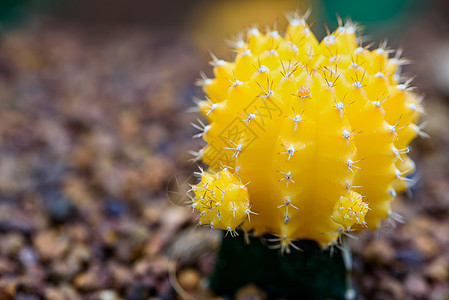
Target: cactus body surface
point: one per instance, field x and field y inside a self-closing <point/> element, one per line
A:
<point x="305" y="139"/>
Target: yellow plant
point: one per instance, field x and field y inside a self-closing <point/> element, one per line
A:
<point x="306" y="139"/>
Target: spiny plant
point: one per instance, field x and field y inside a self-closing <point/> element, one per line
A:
<point x="306" y="139"/>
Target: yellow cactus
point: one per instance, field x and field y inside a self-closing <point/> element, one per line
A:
<point x="222" y="200"/>
<point x="316" y="135"/>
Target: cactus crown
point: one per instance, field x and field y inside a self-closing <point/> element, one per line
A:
<point x="306" y="139"/>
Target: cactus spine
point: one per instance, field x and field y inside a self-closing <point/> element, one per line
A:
<point x="306" y="139"/>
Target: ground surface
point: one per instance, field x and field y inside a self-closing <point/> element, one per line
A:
<point x="92" y="131"/>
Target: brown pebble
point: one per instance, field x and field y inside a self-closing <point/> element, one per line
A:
<point x="250" y="292"/>
<point x="121" y="275"/>
<point x="156" y="171"/>
<point x="128" y="124"/>
<point x="10" y="244"/>
<point x="426" y="245"/>
<point x="142" y="267"/>
<point x="7" y="289"/>
<point x="174" y="217"/>
<point x="80" y="253"/>
<point x="52" y="293"/>
<point x="78" y="232"/>
<point x="189" y="280"/>
<point x="438" y="270"/>
<point x="379" y="252"/>
<point x="91" y="280"/>
<point x="50" y="245"/>
<point x="159" y="266"/>
<point x="393" y="288"/>
<point x="152" y="213"/>
<point x="6" y="266"/>
<point x="154" y="245"/>
<point x="63" y="292"/>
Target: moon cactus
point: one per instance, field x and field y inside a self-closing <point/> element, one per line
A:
<point x="306" y="139"/>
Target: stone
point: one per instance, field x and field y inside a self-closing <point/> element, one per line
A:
<point x="189" y="280"/>
<point x="379" y="252"/>
<point x="438" y="270"/>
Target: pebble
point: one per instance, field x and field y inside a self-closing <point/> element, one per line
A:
<point x="440" y="292"/>
<point x="140" y="291"/>
<point x="158" y="266"/>
<point x="78" y="232"/>
<point x="6" y="266"/>
<point x="107" y="295"/>
<point x="392" y="287"/>
<point x="62" y="292"/>
<point x="379" y="252"/>
<point x="23" y="296"/>
<point x="7" y="289"/>
<point x="80" y="253"/>
<point x="28" y="257"/>
<point x="10" y="244"/>
<point x="17" y="222"/>
<point x="121" y="275"/>
<point x="152" y="213"/>
<point x="93" y="279"/>
<point x="65" y="269"/>
<point x="115" y="207"/>
<point x="61" y="210"/>
<point x="33" y="279"/>
<point x="51" y="245"/>
<point x="250" y="292"/>
<point x="416" y="285"/>
<point x="142" y="267"/>
<point x="189" y="280"/>
<point x="438" y="270"/>
<point x="426" y="245"/>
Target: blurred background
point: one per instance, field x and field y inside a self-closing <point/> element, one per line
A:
<point x="94" y="141"/>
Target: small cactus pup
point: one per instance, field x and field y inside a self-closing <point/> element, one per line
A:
<point x="306" y="140"/>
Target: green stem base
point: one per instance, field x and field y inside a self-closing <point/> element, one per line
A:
<point x="310" y="274"/>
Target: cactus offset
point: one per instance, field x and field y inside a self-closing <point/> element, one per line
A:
<point x="306" y="139"/>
